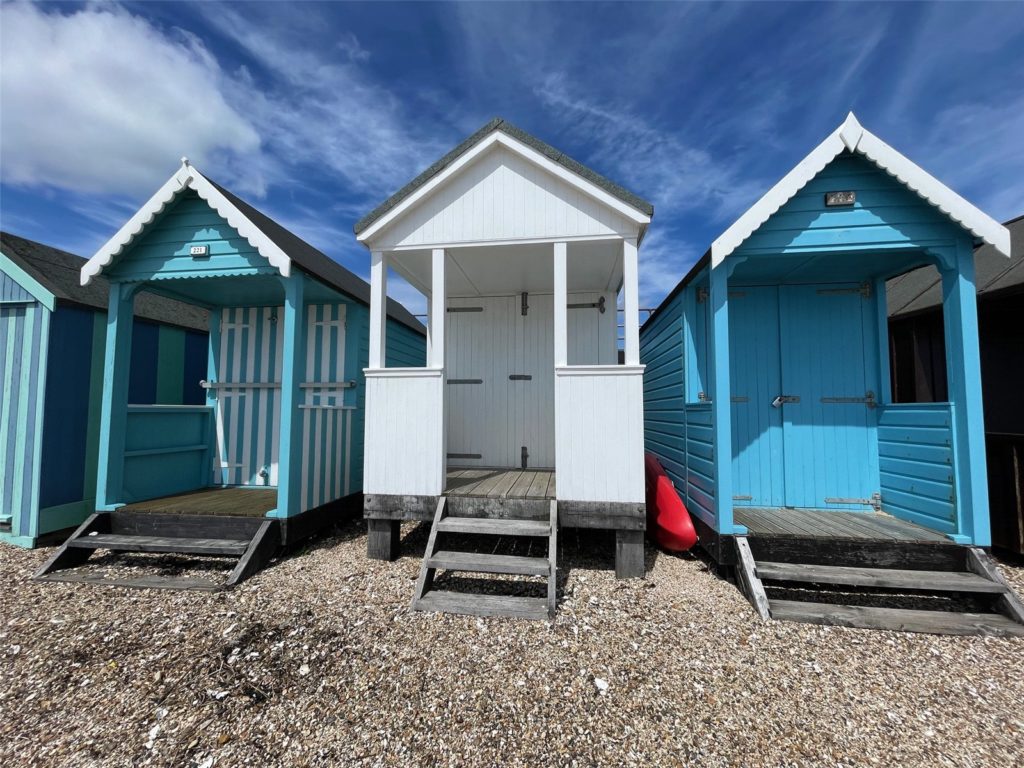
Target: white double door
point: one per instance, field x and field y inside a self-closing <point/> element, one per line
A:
<point x="500" y="391"/>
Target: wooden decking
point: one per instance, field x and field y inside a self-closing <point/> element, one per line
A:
<point x="230" y="502"/>
<point x="535" y="484"/>
<point x="831" y="524"/>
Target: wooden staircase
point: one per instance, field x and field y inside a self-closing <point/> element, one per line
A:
<point x="955" y="573"/>
<point x="252" y="540"/>
<point x="426" y="598"/>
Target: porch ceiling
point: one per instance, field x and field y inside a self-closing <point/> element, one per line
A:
<point x="237" y="291"/>
<point x="840" y="267"/>
<point x="496" y="270"/>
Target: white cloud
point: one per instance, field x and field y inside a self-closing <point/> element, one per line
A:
<point x="101" y="101"/>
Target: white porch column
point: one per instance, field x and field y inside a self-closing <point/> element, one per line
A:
<point x="561" y="302"/>
<point x="631" y="302"/>
<point x="436" y="309"/>
<point x="378" y="307"/>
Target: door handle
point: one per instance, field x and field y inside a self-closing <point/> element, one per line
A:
<point x="781" y="400"/>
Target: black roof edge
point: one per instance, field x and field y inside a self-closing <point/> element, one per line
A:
<point x="500" y="124"/>
<point x="695" y="270"/>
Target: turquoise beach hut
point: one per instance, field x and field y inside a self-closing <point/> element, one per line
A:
<point x="767" y="394"/>
<point x="51" y="345"/>
<point x="274" y="452"/>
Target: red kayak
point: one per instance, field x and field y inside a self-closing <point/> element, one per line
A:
<point x="668" y="522"/>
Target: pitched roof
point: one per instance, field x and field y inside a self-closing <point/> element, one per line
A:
<point x="498" y="124"/>
<point x="276" y="244"/>
<point x="921" y="289"/>
<point x="852" y="136"/>
<point x="58" y="271"/>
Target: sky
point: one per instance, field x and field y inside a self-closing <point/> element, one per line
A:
<point x="316" y="112"/>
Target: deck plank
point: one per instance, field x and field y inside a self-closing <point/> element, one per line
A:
<point x="234" y="501"/>
<point x="821" y="523"/>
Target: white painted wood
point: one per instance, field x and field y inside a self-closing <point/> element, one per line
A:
<point x="561" y="299"/>
<point x="378" y="307"/>
<point x="524" y="160"/>
<point x="599" y="433"/>
<point x="435" y="329"/>
<point x="630" y="302"/>
<point x="404" y="451"/>
<point x="852" y="136"/>
<point x="503" y="196"/>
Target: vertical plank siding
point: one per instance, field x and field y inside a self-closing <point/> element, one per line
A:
<point x="599" y="434"/>
<point x="11" y="291"/>
<point x="916" y="460"/>
<point x="23" y="341"/>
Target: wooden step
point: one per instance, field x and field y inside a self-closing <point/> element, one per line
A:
<point x="127" y="543"/>
<point x="486" y="563"/>
<point x="136" y="582"/>
<point x="494" y="526"/>
<point x="898" y="619"/>
<point x="888" y="578"/>
<point x="483" y="605"/>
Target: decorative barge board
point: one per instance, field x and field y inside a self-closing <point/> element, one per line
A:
<point x="278" y="435"/>
<point x="52" y="348"/>
<point x="767" y="387"/>
<point x="521" y="253"/>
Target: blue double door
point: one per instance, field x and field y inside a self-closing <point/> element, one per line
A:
<point x="802" y="405"/>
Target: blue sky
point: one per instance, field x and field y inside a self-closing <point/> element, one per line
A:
<point x="316" y="112"/>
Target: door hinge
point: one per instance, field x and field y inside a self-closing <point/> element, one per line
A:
<point x="525" y="304"/>
<point x="864" y="289"/>
<point x="868" y="399"/>
<point x="702" y="295"/>
<point x="524" y="456"/>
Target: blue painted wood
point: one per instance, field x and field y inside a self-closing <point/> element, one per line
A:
<point x="289" y="495"/>
<point x="827" y="445"/>
<point x="117" y="358"/>
<point x="68" y="395"/>
<point x="754" y="359"/>
<point x="721" y="390"/>
<point x="193" y="369"/>
<point x="12" y="292"/>
<point x="963" y="366"/>
<point x="142" y="371"/>
<point x="886" y="214"/>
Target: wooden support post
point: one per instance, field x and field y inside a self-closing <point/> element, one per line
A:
<point x="218" y="452"/>
<point x="561" y="302"/>
<point x="721" y="396"/>
<point x="114" y="408"/>
<point x="378" y="308"/>
<point x="435" y="328"/>
<point x="629" y="554"/>
<point x="289" y="491"/>
<point x="963" y="366"/>
<point x="631" y="302"/>
<point x="383" y="538"/>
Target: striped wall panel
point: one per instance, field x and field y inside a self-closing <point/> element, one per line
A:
<point x="247" y="416"/>
<point x="24" y="332"/>
<point x="11" y="291"/>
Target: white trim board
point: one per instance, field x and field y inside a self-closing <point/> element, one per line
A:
<point x="185" y="177"/>
<point x="852" y="136"/>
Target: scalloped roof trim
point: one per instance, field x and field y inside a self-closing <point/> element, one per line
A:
<point x="185" y="177"/>
<point x="852" y="136"/>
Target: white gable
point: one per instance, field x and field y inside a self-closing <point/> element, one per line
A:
<point x="503" y="194"/>
<point x="852" y="136"/>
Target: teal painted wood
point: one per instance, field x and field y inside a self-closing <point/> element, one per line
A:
<point x="162" y="251"/>
<point x="289" y="494"/>
<point x="12" y="292"/>
<point x="701" y="484"/>
<point x="755" y="364"/>
<point x="117" y="358"/>
<point x="963" y="366"/>
<point x="886" y="215"/>
<point x="24" y="329"/>
<point x="166" y="450"/>
<point x="916" y="461"/>
<point x="662" y="353"/>
<point x="404" y="348"/>
<point x="19" y="287"/>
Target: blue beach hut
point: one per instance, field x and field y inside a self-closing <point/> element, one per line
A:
<point x="51" y="346"/>
<point x="767" y="394"/>
<point x="274" y="451"/>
